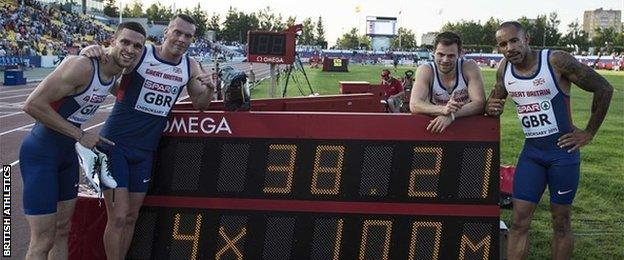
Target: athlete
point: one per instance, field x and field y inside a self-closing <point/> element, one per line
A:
<point x="539" y="83"/>
<point x="61" y="103"/>
<point x="144" y="99"/>
<point x="449" y="87"/>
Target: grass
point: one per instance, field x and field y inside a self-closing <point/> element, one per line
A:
<point x="598" y="210"/>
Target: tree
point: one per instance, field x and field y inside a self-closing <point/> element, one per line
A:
<point x="552" y="34"/>
<point x="157" y="12"/>
<point x="604" y="36"/>
<point x="307" y="33"/>
<point x="134" y="11"/>
<point x="291" y="21"/>
<point x="535" y="28"/>
<point x="364" y="42"/>
<point x="488" y="32"/>
<point x="215" y="25"/>
<point x="349" y="40"/>
<point x="269" y="21"/>
<point x="405" y="40"/>
<point x="237" y="24"/>
<point x="469" y="31"/>
<point x="320" y="32"/>
<point x="201" y="20"/>
<point x="575" y="37"/>
<point x="110" y="9"/>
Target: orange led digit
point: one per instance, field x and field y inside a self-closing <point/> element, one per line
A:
<point x="336" y="169"/>
<point x="288" y="170"/>
<point x="186" y="237"/>
<point x="416" y="171"/>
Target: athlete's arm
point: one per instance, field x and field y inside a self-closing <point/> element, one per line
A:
<point x="496" y="101"/>
<point x="200" y="86"/>
<point x="589" y="80"/>
<point x="69" y="78"/>
<point x="419" y="100"/>
<point x="476" y="93"/>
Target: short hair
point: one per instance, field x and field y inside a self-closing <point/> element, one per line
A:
<point x="447" y="38"/>
<point x="513" y="24"/>
<point x="134" y="26"/>
<point x="184" y="17"/>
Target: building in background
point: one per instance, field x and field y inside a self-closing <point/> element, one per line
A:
<point x="602" y="19"/>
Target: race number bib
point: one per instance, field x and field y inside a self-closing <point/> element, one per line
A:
<point x="537" y="119"/>
<point x="156" y="98"/>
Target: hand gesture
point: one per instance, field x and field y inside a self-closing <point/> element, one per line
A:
<point x="494" y="107"/>
<point x="576" y="139"/>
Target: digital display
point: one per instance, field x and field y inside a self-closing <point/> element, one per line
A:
<point x="267" y="44"/>
<point x="271" y="47"/>
<point x="257" y="186"/>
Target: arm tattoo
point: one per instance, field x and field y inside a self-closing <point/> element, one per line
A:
<point x="589" y="80"/>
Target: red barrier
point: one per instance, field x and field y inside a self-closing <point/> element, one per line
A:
<point x="360" y="102"/>
<point x="87" y="229"/>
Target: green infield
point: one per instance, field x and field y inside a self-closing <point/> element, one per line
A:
<point x="598" y="210"/>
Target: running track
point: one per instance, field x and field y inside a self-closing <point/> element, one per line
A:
<point x="15" y="124"/>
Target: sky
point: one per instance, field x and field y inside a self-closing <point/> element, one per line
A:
<point x="419" y="16"/>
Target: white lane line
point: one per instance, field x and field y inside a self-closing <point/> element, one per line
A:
<point x="86" y="129"/>
<point x="17" y="90"/>
<point x="12" y="114"/>
<point x="22" y="95"/>
<point x="26" y="126"/>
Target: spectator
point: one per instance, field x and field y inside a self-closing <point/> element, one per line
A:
<point x="393" y="91"/>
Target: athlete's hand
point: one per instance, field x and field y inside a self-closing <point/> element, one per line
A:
<point x="452" y="106"/>
<point x="575" y="139"/>
<point x="494" y="107"/>
<point x="95" y="51"/>
<point x="90" y="140"/>
<point x="439" y="124"/>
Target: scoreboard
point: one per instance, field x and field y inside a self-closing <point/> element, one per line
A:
<point x="272" y="47"/>
<point x="283" y="185"/>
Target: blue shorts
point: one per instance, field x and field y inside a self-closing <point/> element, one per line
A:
<point x="50" y="173"/>
<point x="131" y="167"/>
<point x="538" y="167"/>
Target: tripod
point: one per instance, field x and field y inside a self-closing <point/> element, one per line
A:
<point x="298" y="67"/>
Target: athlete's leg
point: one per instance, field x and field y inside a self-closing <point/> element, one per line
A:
<point x="68" y="179"/>
<point x="136" y="200"/>
<point x="40" y="194"/>
<point x="116" y="212"/>
<point x="139" y="179"/>
<point x="116" y="209"/>
<point x="518" y="245"/>
<point x="563" y="178"/>
<point x="65" y="210"/>
<point x="528" y="186"/>
<point x="42" y="231"/>
<point x="563" y="240"/>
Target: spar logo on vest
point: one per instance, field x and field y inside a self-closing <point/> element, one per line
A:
<point x="157" y="98"/>
<point x="538" y="119"/>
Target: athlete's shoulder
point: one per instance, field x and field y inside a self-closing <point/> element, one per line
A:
<point x="561" y="59"/>
<point x="77" y="64"/>
<point x="76" y="68"/>
<point x="469" y="65"/>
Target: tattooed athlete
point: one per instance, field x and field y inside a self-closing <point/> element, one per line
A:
<point x="539" y="83"/>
